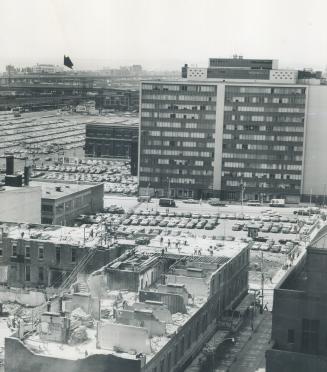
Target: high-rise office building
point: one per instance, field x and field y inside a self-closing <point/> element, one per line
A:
<point x="202" y="136"/>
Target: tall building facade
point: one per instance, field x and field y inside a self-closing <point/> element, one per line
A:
<point x="177" y="137"/>
<point x="263" y="137"/>
<point x="204" y="136"/>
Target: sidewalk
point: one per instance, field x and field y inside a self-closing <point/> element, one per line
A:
<point x="241" y="340"/>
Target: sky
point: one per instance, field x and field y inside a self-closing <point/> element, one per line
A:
<point x="162" y="34"/>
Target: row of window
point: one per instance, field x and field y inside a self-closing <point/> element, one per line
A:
<point x="168" y="106"/>
<point x="243" y="155"/>
<point x="193" y="172"/>
<point x="263" y="185"/>
<point x="179" y="87"/>
<point x="204" y="154"/>
<point x="271" y="99"/>
<point x="40" y="255"/>
<point x="269" y="119"/>
<point x="174" y="124"/>
<point x="262" y="137"/>
<point x="171" y="97"/>
<point x="264" y="128"/>
<point x="265" y="90"/>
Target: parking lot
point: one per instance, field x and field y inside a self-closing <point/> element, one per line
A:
<point x="213" y="227"/>
<point x="115" y="174"/>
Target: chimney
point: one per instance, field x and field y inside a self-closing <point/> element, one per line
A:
<point x="27" y="172"/>
<point x="9" y="165"/>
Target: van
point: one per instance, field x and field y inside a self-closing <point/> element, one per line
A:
<point x="277" y="203"/>
<point x="254" y="203"/>
<point x="165" y="202"/>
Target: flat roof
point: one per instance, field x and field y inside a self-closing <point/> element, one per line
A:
<point x="124" y="119"/>
<point x="120" y="301"/>
<point x="55" y="234"/>
<point x="56" y="190"/>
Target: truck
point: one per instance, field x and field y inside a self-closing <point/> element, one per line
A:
<point x="277" y="203"/>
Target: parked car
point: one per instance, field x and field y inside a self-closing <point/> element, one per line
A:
<point x="255" y="246"/>
<point x="275" y="248"/>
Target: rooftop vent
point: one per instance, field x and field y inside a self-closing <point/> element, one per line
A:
<point x="58" y="188"/>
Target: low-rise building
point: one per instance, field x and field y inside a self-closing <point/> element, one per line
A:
<point x="299" y="322"/>
<point x="20" y="204"/>
<point x="111" y="136"/>
<point x="44" y="256"/>
<point x="158" y="307"/>
<point x="62" y="202"/>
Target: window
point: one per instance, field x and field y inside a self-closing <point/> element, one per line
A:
<point x="27" y="273"/>
<point x="310" y="336"/>
<point x="74" y="254"/>
<point x="57" y="255"/>
<point x="41" y="253"/>
<point x="0" y="250"/>
<point x="28" y="251"/>
<point x="41" y="274"/>
<point x="290" y="336"/>
<point x="14" y="249"/>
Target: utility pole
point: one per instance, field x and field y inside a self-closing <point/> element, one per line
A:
<point x="168" y="190"/>
<point x="242" y="194"/>
<point x="324" y="203"/>
<point x="262" y="282"/>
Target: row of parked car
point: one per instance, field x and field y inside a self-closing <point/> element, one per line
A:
<point x="270" y="245"/>
<point x="169" y="221"/>
<point x="268" y="227"/>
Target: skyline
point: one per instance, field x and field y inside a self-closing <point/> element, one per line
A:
<point x="112" y="33"/>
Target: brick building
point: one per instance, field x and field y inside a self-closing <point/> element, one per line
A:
<point x="299" y="323"/>
<point x="161" y="309"/>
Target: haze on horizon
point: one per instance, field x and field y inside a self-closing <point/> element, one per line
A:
<point x="162" y="34"/>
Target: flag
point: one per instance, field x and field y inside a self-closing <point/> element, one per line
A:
<point x="67" y="62"/>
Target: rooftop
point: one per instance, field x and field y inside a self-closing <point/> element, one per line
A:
<point x="149" y="321"/>
<point x="54" y="234"/>
<point x="54" y="190"/>
<point x="123" y="119"/>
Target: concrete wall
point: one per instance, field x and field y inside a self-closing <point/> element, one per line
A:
<point x="283" y="361"/>
<point x="29" y="298"/>
<point x="19" y="358"/>
<point x="160" y="310"/>
<point x="194" y="286"/>
<point x="128" y="280"/>
<point x="21" y="205"/>
<point x="290" y="308"/>
<point x="219" y="137"/>
<point x="142" y="318"/>
<point x="174" y="302"/>
<point x="315" y="172"/>
<point x="125" y="337"/>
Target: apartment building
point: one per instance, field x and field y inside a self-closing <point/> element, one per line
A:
<point x="231" y="134"/>
<point x="299" y="322"/>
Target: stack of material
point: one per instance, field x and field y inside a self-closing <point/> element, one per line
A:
<point x="79" y="317"/>
<point x="78" y="336"/>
